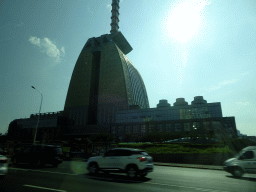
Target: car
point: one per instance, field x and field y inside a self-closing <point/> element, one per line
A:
<point x="3" y="152"/>
<point x="243" y="162"/>
<point x="3" y="166"/>
<point x="134" y="162"/>
<point x="40" y="155"/>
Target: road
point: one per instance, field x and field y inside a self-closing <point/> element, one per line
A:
<point x="71" y="176"/>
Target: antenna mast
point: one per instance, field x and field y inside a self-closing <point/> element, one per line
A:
<point x="114" y="17"/>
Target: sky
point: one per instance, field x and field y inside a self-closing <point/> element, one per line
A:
<point x="181" y="49"/>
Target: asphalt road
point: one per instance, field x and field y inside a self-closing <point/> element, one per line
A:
<point x="71" y="176"/>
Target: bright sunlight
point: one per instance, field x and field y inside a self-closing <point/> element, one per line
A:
<point x="184" y="19"/>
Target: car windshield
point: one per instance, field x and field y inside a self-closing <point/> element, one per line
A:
<point x="172" y="79"/>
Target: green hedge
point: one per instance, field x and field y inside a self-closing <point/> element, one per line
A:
<point x="178" y="148"/>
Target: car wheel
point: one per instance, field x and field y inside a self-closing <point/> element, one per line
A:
<point x="93" y="169"/>
<point x="143" y="174"/>
<point x="237" y="172"/>
<point x="131" y="172"/>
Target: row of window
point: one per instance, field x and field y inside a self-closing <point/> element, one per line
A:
<point x="171" y="127"/>
<point x="161" y="115"/>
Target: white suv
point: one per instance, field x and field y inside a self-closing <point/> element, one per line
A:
<point x="125" y="160"/>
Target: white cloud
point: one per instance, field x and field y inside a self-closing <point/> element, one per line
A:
<point x="34" y="40"/>
<point x="48" y="47"/>
<point x="227" y="82"/>
<point x="63" y="50"/>
<point x="242" y="103"/>
<point x="222" y="84"/>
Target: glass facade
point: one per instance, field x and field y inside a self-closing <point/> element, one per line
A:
<point x="138" y="94"/>
<point x="218" y="127"/>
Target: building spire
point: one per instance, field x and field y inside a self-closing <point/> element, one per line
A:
<point x="114" y="17"/>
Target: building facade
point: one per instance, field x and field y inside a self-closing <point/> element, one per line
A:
<point x="199" y="118"/>
<point x="50" y="127"/>
<point x="103" y="82"/>
<point x="198" y="109"/>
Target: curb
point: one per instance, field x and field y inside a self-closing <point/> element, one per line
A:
<point x="212" y="167"/>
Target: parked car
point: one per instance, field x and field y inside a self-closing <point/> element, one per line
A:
<point x="3" y="166"/>
<point x="40" y="155"/>
<point x="243" y="162"/>
<point x="134" y="162"/>
<point x="3" y="152"/>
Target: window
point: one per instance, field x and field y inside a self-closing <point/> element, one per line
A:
<point x="135" y="128"/>
<point x="113" y="130"/>
<point x="120" y="129"/>
<point x="140" y="153"/>
<point x="150" y="128"/>
<point x="110" y="153"/>
<point x="160" y="127"/>
<point x="143" y="129"/>
<point x="177" y="127"/>
<point x="196" y="125"/>
<point x="186" y="126"/>
<point x="247" y="155"/>
<point x="168" y="127"/>
<point x="206" y="126"/>
<point x="128" y="129"/>
<point x="122" y="153"/>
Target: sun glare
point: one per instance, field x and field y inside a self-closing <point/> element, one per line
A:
<point x="184" y="19"/>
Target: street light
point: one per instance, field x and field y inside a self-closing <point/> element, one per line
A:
<point x="38" y="115"/>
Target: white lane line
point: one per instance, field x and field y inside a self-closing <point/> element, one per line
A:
<point x="19" y="169"/>
<point x="44" y="188"/>
<point x="195" y="188"/>
<point x="44" y="171"/>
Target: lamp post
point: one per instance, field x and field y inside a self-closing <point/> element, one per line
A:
<point x="39" y="113"/>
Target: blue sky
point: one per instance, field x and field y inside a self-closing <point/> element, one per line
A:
<point x="181" y="49"/>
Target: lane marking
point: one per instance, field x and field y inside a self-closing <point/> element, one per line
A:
<point x="187" y="187"/>
<point x="44" y="188"/>
<point x="44" y="171"/>
<point x="195" y="188"/>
